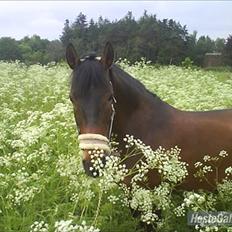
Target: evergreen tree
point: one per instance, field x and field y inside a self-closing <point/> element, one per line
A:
<point x="204" y="45"/>
<point x="228" y="51"/>
<point x="67" y="33"/>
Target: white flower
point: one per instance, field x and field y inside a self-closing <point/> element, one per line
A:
<point x="228" y="171"/>
<point x="39" y="226"/>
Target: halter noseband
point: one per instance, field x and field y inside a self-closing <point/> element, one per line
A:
<point x="93" y="142"/>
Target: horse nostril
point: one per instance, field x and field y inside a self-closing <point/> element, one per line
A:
<point x="84" y="162"/>
<point x="103" y="160"/>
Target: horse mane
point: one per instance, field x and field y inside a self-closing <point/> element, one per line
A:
<point x="88" y="74"/>
<point x="131" y="81"/>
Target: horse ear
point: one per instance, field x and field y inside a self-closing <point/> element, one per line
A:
<point x="71" y="56"/>
<point x="108" y="55"/>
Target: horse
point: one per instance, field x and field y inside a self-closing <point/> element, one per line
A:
<point x="108" y="100"/>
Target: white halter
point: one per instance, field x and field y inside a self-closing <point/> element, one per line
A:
<point x="93" y="142"/>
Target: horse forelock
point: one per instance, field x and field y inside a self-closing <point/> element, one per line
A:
<point x="88" y="75"/>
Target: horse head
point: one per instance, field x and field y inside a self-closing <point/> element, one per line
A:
<point x="93" y="101"/>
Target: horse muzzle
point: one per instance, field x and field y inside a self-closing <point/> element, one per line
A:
<point x="94" y="147"/>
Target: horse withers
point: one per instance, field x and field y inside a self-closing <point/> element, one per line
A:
<point x="96" y="86"/>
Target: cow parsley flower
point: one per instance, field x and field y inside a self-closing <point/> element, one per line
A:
<point x="39" y="226"/>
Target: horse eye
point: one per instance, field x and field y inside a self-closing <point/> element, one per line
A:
<point x="111" y="98"/>
<point x="71" y="99"/>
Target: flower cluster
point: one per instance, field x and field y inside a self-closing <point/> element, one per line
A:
<point x="63" y="226"/>
<point x="167" y="163"/>
<point x="39" y="226"/>
<point x="113" y="173"/>
<point x="202" y="228"/>
<point x="70" y="226"/>
<point x="195" y="202"/>
<point x="228" y="171"/>
<point x="96" y="156"/>
<point x="209" y="164"/>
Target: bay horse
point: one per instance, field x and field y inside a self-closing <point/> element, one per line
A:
<point x="100" y="89"/>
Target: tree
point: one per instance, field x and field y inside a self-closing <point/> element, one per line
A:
<point x="204" y="45"/>
<point x="34" y="50"/>
<point x="67" y="33"/>
<point x="9" y="49"/>
<point x="79" y="30"/>
<point x="55" y="51"/>
<point x="80" y="22"/>
<point x="148" y="37"/>
<point x="228" y="51"/>
<point x="173" y="42"/>
<point x="191" y="46"/>
<point x="219" y="44"/>
<point x="92" y="35"/>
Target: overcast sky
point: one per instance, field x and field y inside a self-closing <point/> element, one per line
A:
<point x="46" y="18"/>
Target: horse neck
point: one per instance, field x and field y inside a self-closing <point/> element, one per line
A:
<point x="135" y="105"/>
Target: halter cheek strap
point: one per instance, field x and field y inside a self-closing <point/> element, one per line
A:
<point x="112" y="115"/>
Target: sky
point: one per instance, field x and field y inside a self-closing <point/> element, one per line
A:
<point x="46" y="18"/>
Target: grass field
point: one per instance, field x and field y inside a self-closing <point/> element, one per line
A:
<point x="42" y="183"/>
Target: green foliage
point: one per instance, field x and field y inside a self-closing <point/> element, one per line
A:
<point x="9" y="49"/>
<point x="228" y="51"/>
<point x="36" y="50"/>
<point x="203" y="45"/>
<point x="187" y="63"/>
<point x="31" y="50"/>
<point x="219" y="45"/>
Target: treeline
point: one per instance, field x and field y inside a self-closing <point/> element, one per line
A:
<point x="160" y="41"/>
<point x="31" y="50"/>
